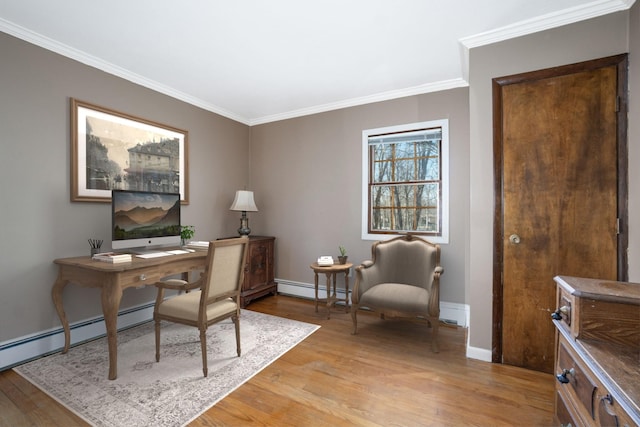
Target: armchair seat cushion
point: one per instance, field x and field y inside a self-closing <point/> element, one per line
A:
<point x="186" y="306"/>
<point x="396" y="297"/>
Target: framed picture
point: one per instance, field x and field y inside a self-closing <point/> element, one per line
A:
<point x="112" y="150"/>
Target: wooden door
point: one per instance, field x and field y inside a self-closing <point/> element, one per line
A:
<point x="560" y="192"/>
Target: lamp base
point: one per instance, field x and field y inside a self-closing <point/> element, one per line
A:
<point x="244" y="229"/>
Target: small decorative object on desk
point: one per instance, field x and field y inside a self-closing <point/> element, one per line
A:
<point x="112" y="257"/>
<point x="342" y="258"/>
<point x="95" y="244"/>
<point x="186" y="233"/>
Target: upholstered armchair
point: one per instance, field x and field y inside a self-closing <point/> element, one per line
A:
<point x="402" y="280"/>
<point x="217" y="296"/>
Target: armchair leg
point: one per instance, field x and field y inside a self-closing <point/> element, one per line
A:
<point x="434" y="335"/>
<point x="157" y="340"/>
<point x="354" y="309"/>
<point x="203" y="345"/>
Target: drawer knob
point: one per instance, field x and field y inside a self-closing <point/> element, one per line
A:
<point x="143" y="277"/>
<point x="562" y="378"/>
<point x="557" y="315"/>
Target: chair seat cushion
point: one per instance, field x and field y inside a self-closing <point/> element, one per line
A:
<point x="396" y="296"/>
<point x="186" y="306"/>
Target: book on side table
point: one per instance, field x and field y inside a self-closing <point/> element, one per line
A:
<point x="112" y="257"/>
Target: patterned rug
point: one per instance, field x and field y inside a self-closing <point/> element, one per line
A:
<point x="174" y="391"/>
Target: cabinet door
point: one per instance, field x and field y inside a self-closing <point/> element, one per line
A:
<point x="258" y="264"/>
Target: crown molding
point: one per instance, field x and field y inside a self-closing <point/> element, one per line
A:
<point x="384" y="96"/>
<point x="92" y="61"/>
<point x="540" y="23"/>
<point x="544" y="22"/>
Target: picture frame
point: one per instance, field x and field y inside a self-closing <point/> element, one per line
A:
<point x="113" y="150"/>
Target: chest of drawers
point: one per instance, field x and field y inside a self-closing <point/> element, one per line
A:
<point x="597" y="352"/>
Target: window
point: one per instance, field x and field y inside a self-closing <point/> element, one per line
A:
<point x="405" y="181"/>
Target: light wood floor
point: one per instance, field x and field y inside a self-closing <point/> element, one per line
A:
<point x="384" y="376"/>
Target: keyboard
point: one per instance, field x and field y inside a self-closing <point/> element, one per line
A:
<point x="153" y="255"/>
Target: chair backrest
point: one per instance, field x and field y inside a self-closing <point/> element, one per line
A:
<point x="225" y="269"/>
<point x="406" y="259"/>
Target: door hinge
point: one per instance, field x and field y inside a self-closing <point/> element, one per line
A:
<point x="617" y="225"/>
<point x="617" y="104"/>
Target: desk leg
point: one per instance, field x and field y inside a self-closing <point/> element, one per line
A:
<point x="111" y="296"/>
<point x="56" y="295"/>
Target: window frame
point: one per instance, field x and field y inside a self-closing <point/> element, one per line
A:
<point x="443" y="238"/>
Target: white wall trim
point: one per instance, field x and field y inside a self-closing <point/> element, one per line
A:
<point x="567" y="16"/>
<point x="28" y="347"/>
<point x="100" y="64"/>
<point x="449" y="312"/>
<point x="20" y="350"/>
<point x="369" y="99"/>
<point x="479" y="353"/>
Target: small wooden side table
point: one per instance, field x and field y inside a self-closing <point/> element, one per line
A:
<point x="330" y="271"/>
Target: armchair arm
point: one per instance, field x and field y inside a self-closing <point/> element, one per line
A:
<point x="438" y="272"/>
<point x="175" y="284"/>
<point x="367" y="275"/>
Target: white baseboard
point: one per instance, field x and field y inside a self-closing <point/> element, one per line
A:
<point x="23" y="349"/>
<point x="29" y="347"/>
<point x="449" y="312"/>
<point x="479" y="354"/>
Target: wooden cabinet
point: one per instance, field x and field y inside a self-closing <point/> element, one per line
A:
<point x="259" y="273"/>
<point x="597" y="352"/>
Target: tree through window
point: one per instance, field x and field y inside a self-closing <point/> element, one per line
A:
<point x="406" y="180"/>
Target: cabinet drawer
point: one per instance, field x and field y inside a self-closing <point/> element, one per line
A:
<point x="565" y="309"/>
<point x="563" y="412"/>
<point x="583" y="386"/>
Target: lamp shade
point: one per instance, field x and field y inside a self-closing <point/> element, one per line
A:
<point x="244" y="202"/>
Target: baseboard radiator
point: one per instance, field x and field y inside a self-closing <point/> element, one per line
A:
<point x="23" y="349"/>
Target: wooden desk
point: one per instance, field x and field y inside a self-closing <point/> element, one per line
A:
<point x="331" y="271"/>
<point x="113" y="279"/>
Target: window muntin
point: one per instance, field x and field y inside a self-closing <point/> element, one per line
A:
<point x="405" y="181"/>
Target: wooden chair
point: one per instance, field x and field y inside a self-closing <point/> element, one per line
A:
<point x="401" y="281"/>
<point x="218" y="297"/>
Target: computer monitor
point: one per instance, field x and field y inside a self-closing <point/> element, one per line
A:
<point x="144" y="220"/>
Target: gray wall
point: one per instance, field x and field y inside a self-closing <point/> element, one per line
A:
<point x="307" y="177"/>
<point x="305" y="172"/>
<point x="37" y="220"/>
<point x="600" y="37"/>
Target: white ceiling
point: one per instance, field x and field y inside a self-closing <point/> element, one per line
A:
<point x="258" y="61"/>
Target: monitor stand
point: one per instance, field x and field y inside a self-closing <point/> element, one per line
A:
<point x="146" y="250"/>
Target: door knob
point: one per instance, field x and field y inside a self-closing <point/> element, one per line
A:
<point x="514" y="239"/>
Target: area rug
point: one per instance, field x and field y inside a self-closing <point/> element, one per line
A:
<point x="174" y="391"/>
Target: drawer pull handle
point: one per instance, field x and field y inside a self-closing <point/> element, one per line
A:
<point x="557" y="315"/>
<point x="607" y="403"/>
<point x="143" y="277"/>
<point x="563" y="376"/>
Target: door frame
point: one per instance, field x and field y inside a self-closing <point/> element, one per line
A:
<point x="621" y="62"/>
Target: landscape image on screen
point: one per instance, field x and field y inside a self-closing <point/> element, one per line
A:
<point x="139" y="215"/>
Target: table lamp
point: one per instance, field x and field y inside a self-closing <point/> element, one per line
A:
<point x="244" y="203"/>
